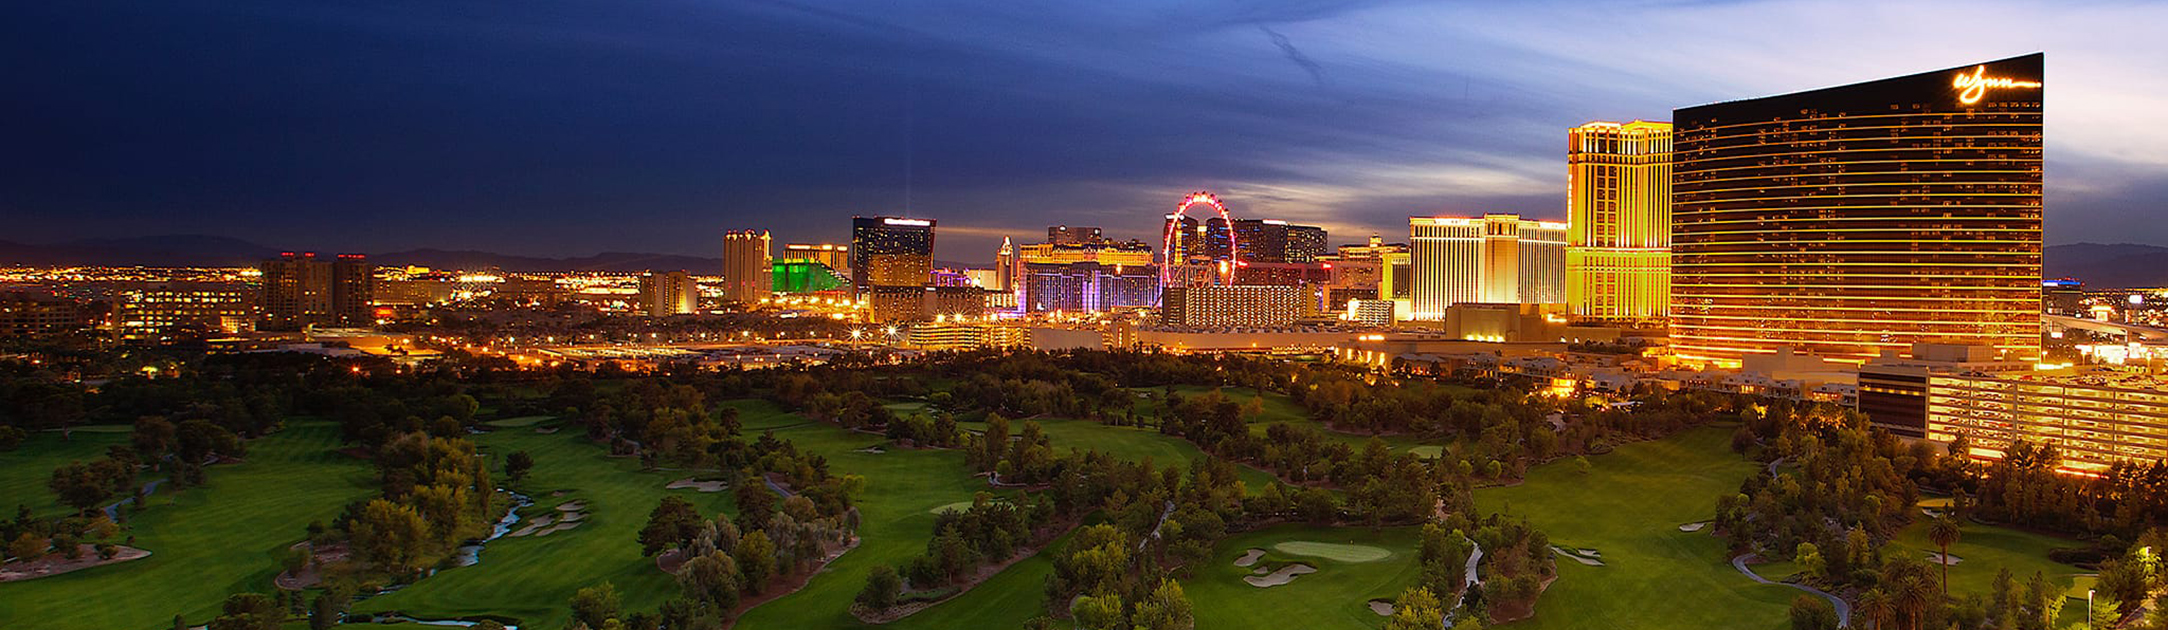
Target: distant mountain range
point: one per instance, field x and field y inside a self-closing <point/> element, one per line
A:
<point x="2104" y="266"/>
<point x="195" y="250"/>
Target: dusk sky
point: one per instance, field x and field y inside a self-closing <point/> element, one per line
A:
<point x="561" y="128"/>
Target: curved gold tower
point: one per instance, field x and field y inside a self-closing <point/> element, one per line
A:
<point x="1850" y="220"/>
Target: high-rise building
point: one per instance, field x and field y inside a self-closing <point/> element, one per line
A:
<point x="1005" y="268"/>
<point x="1618" y="241"/>
<point x="28" y="315"/>
<point x="1087" y="286"/>
<point x="1375" y="249"/>
<point x="1848" y="220"/>
<point x="1494" y="259"/>
<point x="1130" y="254"/>
<point x="1065" y="235"/>
<point x="301" y="290"/>
<point x="836" y="257"/>
<point x="1274" y="241"/>
<point x="173" y="311"/>
<point x="669" y="293"/>
<point x="1305" y="243"/>
<point x="891" y="251"/>
<point x="1228" y="305"/>
<point x="746" y="266"/>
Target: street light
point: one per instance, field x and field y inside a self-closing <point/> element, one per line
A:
<point x="2088" y="608"/>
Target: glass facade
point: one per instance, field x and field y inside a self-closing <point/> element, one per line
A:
<point x="1849" y="220"/>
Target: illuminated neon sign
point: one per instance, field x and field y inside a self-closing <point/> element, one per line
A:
<point x="1973" y="87"/>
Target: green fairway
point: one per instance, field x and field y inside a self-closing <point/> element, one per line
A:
<point x="522" y="421"/>
<point x="1126" y="443"/>
<point x="205" y="542"/>
<point x="25" y="470"/>
<point x="1336" y="596"/>
<point x="532" y="578"/>
<point x="1984" y="550"/>
<point x="1629" y="508"/>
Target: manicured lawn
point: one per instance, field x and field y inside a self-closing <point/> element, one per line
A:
<point x="205" y="542"/>
<point x="1629" y="508"/>
<point x="1336" y="596"/>
<point x="1125" y="443"/>
<point x="532" y="578"/>
<point x="1006" y="600"/>
<point x="1986" y="550"/>
<point x="25" y="470"/>
<point x="522" y="421"/>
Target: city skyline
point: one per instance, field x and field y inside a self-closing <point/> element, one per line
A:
<point x="1311" y="115"/>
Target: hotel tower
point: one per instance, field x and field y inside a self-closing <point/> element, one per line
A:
<point x="1618" y="245"/>
<point x="1851" y="220"/>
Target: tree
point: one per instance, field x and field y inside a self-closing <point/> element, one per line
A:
<point x="27" y="546"/>
<point x="517" y="464"/>
<point x="755" y="502"/>
<point x="1165" y="608"/>
<point x="673" y="523"/>
<point x="1812" y="613"/>
<point x="328" y="609"/>
<point x="1944" y="532"/>
<point x="1417" y="609"/>
<point x="882" y="589"/>
<point x="389" y="534"/>
<point x="1875" y="605"/>
<point x="596" y="606"/>
<point x="711" y="579"/>
<point x="82" y="485"/>
<point x="1098" y="612"/>
<point x="249" y="611"/>
<point x="1809" y="558"/>
<point x="756" y="560"/>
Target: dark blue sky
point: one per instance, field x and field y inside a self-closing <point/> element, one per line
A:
<point x="554" y="127"/>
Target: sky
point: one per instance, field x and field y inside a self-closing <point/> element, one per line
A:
<point x="566" y="128"/>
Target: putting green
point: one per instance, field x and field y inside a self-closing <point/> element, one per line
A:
<point x="1333" y="551"/>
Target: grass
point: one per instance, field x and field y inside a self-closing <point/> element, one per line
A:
<point x="25" y="470"/>
<point x="532" y="578"/>
<point x="1125" y="443"/>
<point x="1984" y="550"/>
<point x="519" y="422"/>
<point x="206" y="542"/>
<point x="1630" y="507"/>
<point x="1336" y="596"/>
<point x="1332" y="551"/>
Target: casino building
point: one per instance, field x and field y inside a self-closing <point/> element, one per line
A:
<point x="1849" y="220"/>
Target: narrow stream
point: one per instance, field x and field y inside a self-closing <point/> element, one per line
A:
<point x="470" y="554"/>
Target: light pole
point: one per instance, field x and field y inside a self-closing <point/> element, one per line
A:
<point x="2088" y="608"/>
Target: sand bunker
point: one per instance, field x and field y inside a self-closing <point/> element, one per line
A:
<point x="1333" y="551"/>
<point x="1284" y="575"/>
<point x="572" y="506"/>
<point x="1381" y="607"/>
<point x="1938" y="558"/>
<point x="1693" y="527"/>
<point x="871" y="450"/>
<point x="557" y="528"/>
<point x="703" y="486"/>
<point x="538" y="523"/>
<point x="1249" y="557"/>
<point x="1588" y="557"/>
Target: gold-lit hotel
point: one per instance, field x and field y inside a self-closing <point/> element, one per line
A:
<point x="1851" y="220"/>
<point x="1618" y="240"/>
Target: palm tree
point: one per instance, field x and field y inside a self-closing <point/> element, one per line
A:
<point x="1944" y="532"/>
<point x="1875" y="605"/>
